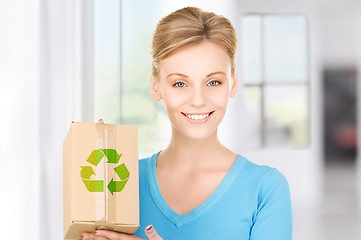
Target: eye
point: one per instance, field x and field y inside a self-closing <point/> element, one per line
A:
<point x="179" y="84"/>
<point x="214" y="83"/>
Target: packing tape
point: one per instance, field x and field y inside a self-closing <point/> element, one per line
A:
<point x="100" y="199"/>
<point x="105" y="202"/>
<point x="111" y="176"/>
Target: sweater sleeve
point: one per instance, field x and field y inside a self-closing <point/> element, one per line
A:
<point x="274" y="212"/>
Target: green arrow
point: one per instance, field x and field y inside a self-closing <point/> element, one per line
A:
<point x="116" y="186"/>
<point x="122" y="171"/>
<point x="86" y="172"/>
<point x="112" y="155"/>
<point x="94" y="185"/>
<point x="95" y="157"/>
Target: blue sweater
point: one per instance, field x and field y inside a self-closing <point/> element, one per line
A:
<point x="252" y="202"/>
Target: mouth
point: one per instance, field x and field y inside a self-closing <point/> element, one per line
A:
<point x="197" y="116"/>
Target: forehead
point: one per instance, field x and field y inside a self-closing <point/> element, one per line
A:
<point x="197" y="60"/>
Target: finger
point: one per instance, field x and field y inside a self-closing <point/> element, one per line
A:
<point x="151" y="233"/>
<point x="115" y="235"/>
<point x="92" y="236"/>
<point x="101" y="121"/>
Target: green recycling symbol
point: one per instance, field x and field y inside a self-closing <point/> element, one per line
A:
<point x="98" y="185"/>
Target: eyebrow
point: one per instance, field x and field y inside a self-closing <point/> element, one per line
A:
<point x="215" y="73"/>
<point x="185" y="76"/>
<point x="177" y="74"/>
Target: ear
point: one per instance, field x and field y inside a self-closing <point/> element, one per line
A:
<point x="235" y="85"/>
<point x="154" y="89"/>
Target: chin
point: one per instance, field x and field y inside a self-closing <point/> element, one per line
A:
<point x="198" y="134"/>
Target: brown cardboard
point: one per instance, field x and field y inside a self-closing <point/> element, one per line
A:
<point x="89" y="158"/>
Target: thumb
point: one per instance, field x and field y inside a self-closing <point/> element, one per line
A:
<point x="151" y="233"/>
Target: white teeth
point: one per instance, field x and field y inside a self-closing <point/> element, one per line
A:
<point x="198" y="116"/>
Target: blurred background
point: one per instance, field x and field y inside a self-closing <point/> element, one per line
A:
<point x="298" y="108"/>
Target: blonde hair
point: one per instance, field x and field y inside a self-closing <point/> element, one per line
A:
<point x="191" y="25"/>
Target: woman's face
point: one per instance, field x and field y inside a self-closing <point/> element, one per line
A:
<point x="195" y="84"/>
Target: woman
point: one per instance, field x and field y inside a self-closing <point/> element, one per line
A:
<point x="196" y="188"/>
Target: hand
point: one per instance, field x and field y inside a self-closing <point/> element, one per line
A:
<point x="110" y="235"/>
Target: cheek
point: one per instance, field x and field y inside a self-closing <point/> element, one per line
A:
<point x="173" y="100"/>
<point x="220" y="98"/>
<point x="222" y="103"/>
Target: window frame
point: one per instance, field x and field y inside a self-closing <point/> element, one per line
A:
<point x="263" y="83"/>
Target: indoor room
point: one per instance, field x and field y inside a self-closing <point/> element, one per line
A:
<point x="297" y="108"/>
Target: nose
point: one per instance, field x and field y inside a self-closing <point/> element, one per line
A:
<point x="198" y="97"/>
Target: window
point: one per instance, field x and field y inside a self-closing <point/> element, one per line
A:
<point x="107" y="60"/>
<point x="276" y="79"/>
<point x="122" y="60"/>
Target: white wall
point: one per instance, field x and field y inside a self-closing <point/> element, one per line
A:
<point x="19" y="121"/>
<point x="340" y="32"/>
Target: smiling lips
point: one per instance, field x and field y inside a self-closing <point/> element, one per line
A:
<point x="197" y="117"/>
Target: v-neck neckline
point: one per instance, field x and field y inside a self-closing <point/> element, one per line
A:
<point x="177" y="219"/>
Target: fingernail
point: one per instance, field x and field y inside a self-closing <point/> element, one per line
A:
<point x="149" y="228"/>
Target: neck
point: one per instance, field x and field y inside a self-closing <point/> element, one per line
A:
<point x="192" y="153"/>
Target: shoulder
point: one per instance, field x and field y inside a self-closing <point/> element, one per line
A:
<point x="144" y="161"/>
<point x="265" y="178"/>
<point x="273" y="215"/>
<point x="148" y="162"/>
<point x="143" y="164"/>
<point x="263" y="172"/>
<point x="273" y="191"/>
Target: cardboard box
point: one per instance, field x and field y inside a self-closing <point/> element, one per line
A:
<point x="100" y="179"/>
